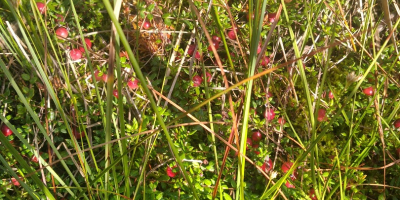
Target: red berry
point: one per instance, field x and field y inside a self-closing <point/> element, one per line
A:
<point x="215" y="44"/>
<point x="331" y="95"/>
<point x="271" y="17"/>
<point x="171" y="173"/>
<point x="104" y="77"/>
<point x="115" y="93"/>
<point x="216" y="39"/>
<point x="197" y="80"/>
<point x="259" y="48"/>
<point x="312" y="194"/>
<point x="321" y="115"/>
<point x="62" y="32"/>
<point x="281" y="121"/>
<point x="289" y="185"/>
<point x="75" y="54"/>
<point x="209" y="76"/>
<point x="88" y="45"/>
<point x="397" y="123"/>
<point x="231" y="35"/>
<point x="78" y="135"/>
<point x="197" y="56"/>
<point x="369" y="91"/>
<point x="286" y="166"/>
<point x="265" y="61"/>
<point x="35" y="159"/>
<point x="255" y="146"/>
<point x="256" y="136"/>
<point x="269" y="114"/>
<point x="146" y="25"/>
<point x="133" y="84"/>
<point x="60" y="18"/>
<point x="249" y="143"/>
<point x="268" y="94"/>
<point x="191" y="49"/>
<point x="6" y="131"/>
<point x="96" y="75"/>
<point x="15" y="182"/>
<point x="267" y="165"/>
<point x="42" y="7"/>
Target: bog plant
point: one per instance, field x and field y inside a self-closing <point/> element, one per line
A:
<point x="187" y="100"/>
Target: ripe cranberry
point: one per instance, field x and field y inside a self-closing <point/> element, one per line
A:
<point x="78" y="135"/>
<point x="115" y="93"/>
<point x="269" y="114"/>
<point x="321" y="114"/>
<point x="312" y="194"/>
<point x="289" y="185"/>
<point x="15" y="182"/>
<point x="146" y="25"/>
<point x="75" y="54"/>
<point x="267" y="165"/>
<point x="197" y="55"/>
<point x="88" y="45"/>
<point x="6" y="131"/>
<point x="271" y="17"/>
<point x="259" y="48"/>
<point x="133" y="84"/>
<point x="255" y="146"/>
<point x="231" y="35"/>
<point x="256" y="136"/>
<point x="256" y="152"/>
<point x="96" y="75"/>
<point x="42" y="7"/>
<point x="216" y="39"/>
<point x="249" y="143"/>
<point x="268" y="94"/>
<point x="215" y="44"/>
<point x="397" y="123"/>
<point x="191" y="49"/>
<point x="61" y="32"/>
<point x="265" y="61"/>
<point x="209" y="76"/>
<point x="170" y="171"/>
<point x="281" y="121"/>
<point x="369" y="91"/>
<point x="330" y="95"/>
<point x="35" y="159"/>
<point x="104" y="77"/>
<point x="286" y="166"/>
<point x="197" y="80"/>
<point x="60" y="18"/>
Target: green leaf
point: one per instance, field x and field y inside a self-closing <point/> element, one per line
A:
<point x="26" y="77"/>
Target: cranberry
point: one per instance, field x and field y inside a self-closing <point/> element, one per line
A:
<point x="312" y="194"/>
<point x="104" y="77"/>
<point x="216" y="39"/>
<point x="75" y="54"/>
<point x="170" y="172"/>
<point x="269" y="114"/>
<point x="231" y="35"/>
<point x="369" y="91"/>
<point x="209" y="76"/>
<point x="267" y="165"/>
<point x="115" y="93"/>
<point x="281" y="121"/>
<point x="289" y="185"/>
<point x="197" y="56"/>
<point x="146" y="25"/>
<point x="62" y="32"/>
<point x="259" y="48"/>
<point x="15" y="182"/>
<point x="133" y="84"/>
<point x="215" y="44"/>
<point x="96" y="75"/>
<point x="256" y="136"/>
<point x="265" y="61"/>
<point x="268" y="94"/>
<point x="42" y="7"/>
<point x="197" y="80"/>
<point x="249" y="143"/>
<point x="191" y="49"/>
<point x="88" y="45"/>
<point x="271" y="17"/>
<point x="321" y="115"/>
<point x="330" y="95"/>
<point x="6" y="131"/>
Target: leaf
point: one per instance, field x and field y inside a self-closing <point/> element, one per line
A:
<point x="26" y="77"/>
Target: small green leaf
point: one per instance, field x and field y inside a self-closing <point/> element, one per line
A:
<point x="26" y="77"/>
